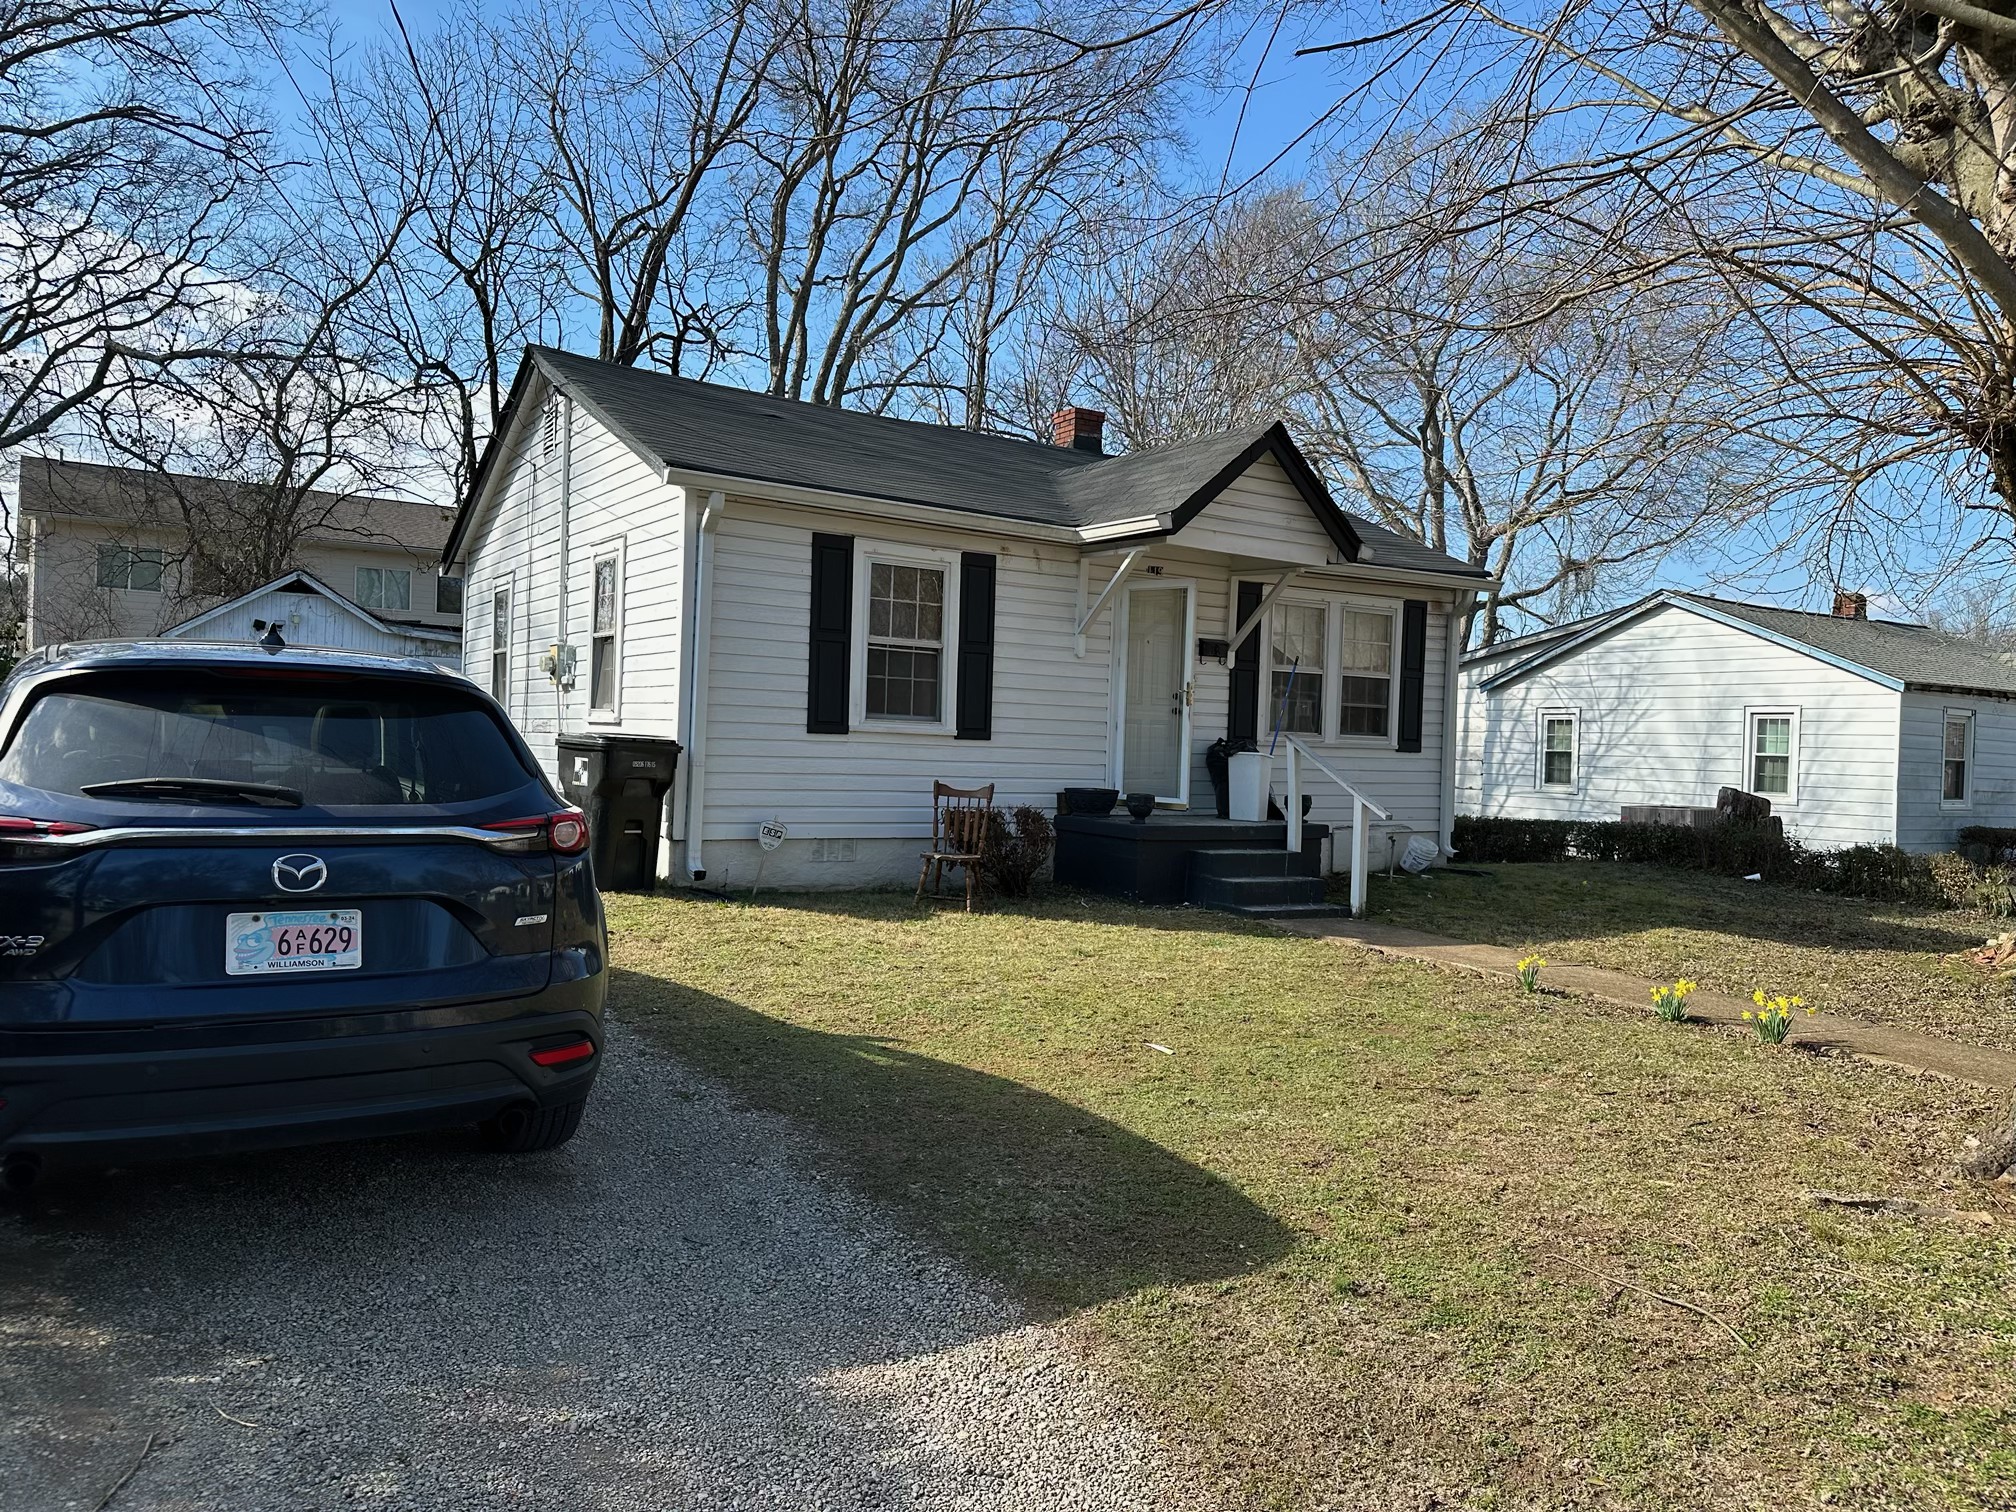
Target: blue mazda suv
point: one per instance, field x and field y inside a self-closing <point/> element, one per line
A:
<point x="254" y="896"/>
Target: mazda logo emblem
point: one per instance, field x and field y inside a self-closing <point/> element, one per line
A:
<point x="300" y="873"/>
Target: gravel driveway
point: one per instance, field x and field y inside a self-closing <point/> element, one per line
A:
<point x="675" y="1311"/>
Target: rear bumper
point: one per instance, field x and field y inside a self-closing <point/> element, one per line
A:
<point x="90" y="1096"/>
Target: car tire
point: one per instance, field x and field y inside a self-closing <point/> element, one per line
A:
<point x="523" y="1130"/>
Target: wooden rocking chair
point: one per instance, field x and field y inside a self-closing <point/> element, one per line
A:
<point x="958" y="837"/>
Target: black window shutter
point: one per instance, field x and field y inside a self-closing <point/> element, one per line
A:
<point x="1244" y="721"/>
<point x="976" y="646"/>
<point x="826" y="700"/>
<point x="1413" y="671"/>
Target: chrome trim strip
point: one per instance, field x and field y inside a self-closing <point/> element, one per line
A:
<point x="276" y="835"/>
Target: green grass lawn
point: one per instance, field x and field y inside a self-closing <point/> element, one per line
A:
<point x="1327" y="1240"/>
<point x="1878" y="961"/>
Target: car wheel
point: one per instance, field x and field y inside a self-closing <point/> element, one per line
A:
<point x="521" y="1130"/>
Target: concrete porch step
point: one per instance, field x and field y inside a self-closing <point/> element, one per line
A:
<point x="1246" y="892"/>
<point x="1258" y="861"/>
<point x="1286" y="911"/>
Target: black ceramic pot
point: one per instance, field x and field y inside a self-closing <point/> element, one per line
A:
<point x="1091" y="800"/>
<point x="1140" y="805"/>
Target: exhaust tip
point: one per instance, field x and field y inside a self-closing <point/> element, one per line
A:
<point x="20" y="1173"/>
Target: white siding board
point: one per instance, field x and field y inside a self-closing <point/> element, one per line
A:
<point x="1924" y="822"/>
<point x="1662" y="704"/>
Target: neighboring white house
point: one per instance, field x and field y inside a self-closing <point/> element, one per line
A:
<point x="107" y="552"/>
<point x="1855" y="729"/>
<point x="830" y="609"/>
<point x="305" y="611"/>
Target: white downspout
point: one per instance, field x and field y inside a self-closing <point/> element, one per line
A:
<point x="696" y="681"/>
<point x="1458" y="632"/>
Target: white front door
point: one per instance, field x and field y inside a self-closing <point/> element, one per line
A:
<point x="1154" y="733"/>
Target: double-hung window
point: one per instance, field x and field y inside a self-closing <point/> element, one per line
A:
<point x="1772" y="745"/>
<point x="1365" y="673"/>
<point x="1956" y="768"/>
<point x="447" y="594"/>
<point x="1560" y="751"/>
<point x="604" y="631"/>
<point x="1299" y="641"/>
<point x="137" y="569"/>
<point x="905" y="660"/>
<point x="384" y="588"/>
<point x="500" y="646"/>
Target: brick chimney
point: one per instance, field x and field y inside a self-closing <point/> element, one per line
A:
<point x="1850" y="605"/>
<point x="1080" y="429"/>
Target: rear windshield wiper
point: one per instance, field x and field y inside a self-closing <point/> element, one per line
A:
<point x="212" y="789"/>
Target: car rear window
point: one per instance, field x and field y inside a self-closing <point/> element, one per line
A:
<point x="349" y="741"/>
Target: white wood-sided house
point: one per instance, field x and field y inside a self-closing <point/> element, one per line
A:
<point x="829" y="610"/>
<point x="305" y="611"/>
<point x="1856" y="730"/>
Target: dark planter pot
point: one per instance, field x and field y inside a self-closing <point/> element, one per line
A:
<point x="1089" y="800"/>
<point x="1140" y="805"/>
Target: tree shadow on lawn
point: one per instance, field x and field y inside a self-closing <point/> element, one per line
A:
<point x="1513" y="905"/>
<point x="1066" y="1208"/>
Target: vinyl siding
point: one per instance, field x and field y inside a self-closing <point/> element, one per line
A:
<point x="309" y="619"/>
<point x="616" y="502"/>
<point x="1924" y="822"/>
<point x="1260" y="513"/>
<point x="1662" y="720"/>
<point x="66" y="603"/>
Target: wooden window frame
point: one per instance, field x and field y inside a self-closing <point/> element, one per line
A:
<point x="500" y="645"/>
<point x="1751" y="714"/>
<point x="1947" y="718"/>
<point x="902" y="554"/>
<point x="609" y="551"/>
<point x="1545" y="717"/>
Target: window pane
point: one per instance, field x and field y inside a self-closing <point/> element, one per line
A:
<point x="370" y="588"/>
<point x="447" y="595"/>
<point x="1774" y="737"/>
<point x="1560" y="770"/>
<point x="1560" y="735"/>
<point x="396" y="588"/>
<point x="602" y="672"/>
<point x="1368" y="642"/>
<point x="371" y="742"/>
<point x="1304" y="714"/>
<point x="500" y="620"/>
<point x="605" y="596"/>
<point x="1362" y="705"/>
<point x="146" y="573"/>
<point x="1956" y="740"/>
<point x="1298" y="636"/>
<point x="112" y="568"/>
<point x="1955" y="787"/>
<point x="1557" y="761"/>
<point x="902" y="684"/>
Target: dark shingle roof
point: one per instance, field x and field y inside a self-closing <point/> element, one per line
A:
<point x="1915" y="655"/>
<point x="711" y="428"/>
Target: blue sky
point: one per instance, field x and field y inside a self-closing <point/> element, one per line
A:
<point x="1266" y="121"/>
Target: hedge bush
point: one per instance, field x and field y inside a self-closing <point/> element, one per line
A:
<point x="1739" y="849"/>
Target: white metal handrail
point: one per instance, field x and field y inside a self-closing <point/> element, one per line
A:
<point x="1360" y="805"/>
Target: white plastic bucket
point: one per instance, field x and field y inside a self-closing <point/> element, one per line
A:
<point x="1246" y="786"/>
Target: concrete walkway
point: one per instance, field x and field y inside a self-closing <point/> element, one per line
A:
<point x="1825" y="1031"/>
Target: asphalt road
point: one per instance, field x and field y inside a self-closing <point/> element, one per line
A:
<point x="673" y="1311"/>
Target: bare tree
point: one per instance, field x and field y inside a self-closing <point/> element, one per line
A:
<point x="129" y="164"/>
<point x="1843" y="170"/>
<point x="1566" y="454"/>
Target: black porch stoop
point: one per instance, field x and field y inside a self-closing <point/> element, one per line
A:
<point x="1262" y="884"/>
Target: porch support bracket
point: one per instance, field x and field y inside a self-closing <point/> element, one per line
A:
<point x="1252" y="621"/>
<point x="1120" y="575"/>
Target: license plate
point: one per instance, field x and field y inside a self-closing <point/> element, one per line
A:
<point x="319" y="939"/>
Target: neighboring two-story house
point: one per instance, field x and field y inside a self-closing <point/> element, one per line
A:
<point x="110" y="552"/>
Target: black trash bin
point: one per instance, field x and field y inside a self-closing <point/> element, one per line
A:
<point x="620" y="782"/>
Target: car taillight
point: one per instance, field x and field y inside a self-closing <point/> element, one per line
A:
<point x="565" y="832"/>
<point x="38" y="829"/>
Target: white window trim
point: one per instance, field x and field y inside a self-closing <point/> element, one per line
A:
<point x="1335" y="606"/>
<point x="1574" y="718"/>
<point x="1751" y="714"/>
<point x="507" y="588"/>
<point x="903" y="554"/>
<point x="1966" y="800"/>
<point x="611" y="714"/>
<point x="1327" y="715"/>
